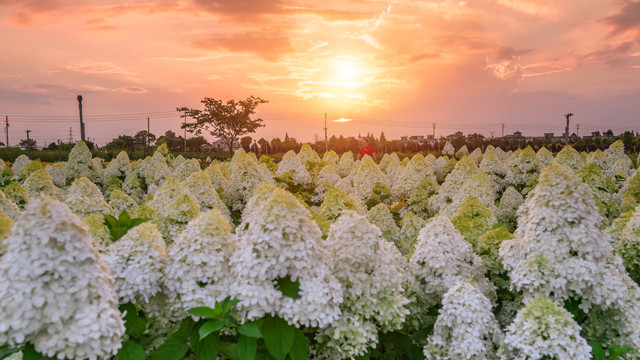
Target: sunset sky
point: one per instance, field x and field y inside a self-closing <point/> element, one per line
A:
<point x="392" y="66"/>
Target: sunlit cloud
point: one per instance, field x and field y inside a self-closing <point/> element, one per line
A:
<point x="101" y="68"/>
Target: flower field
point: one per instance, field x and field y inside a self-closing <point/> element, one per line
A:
<point x="481" y="255"/>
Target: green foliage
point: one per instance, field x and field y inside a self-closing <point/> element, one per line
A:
<point x="288" y="288"/>
<point x="269" y="337"/>
<point x="380" y="193"/>
<point x="119" y="226"/>
<point x="269" y="162"/>
<point x="614" y="352"/>
<point x="5" y="351"/>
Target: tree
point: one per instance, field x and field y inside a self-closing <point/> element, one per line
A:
<point x="196" y="143"/>
<point x="123" y="142"/>
<point x="245" y="142"/>
<point x="27" y="143"/>
<point x="225" y="121"/>
<point x="141" y="138"/>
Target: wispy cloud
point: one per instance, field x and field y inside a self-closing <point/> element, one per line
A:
<point x="101" y="68"/>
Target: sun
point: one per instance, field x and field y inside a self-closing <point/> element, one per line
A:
<point x="347" y="71"/>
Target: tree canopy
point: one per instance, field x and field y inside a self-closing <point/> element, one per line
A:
<point x="226" y="121"/>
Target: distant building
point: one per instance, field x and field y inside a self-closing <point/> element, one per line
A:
<point x="419" y="139"/>
<point x="220" y="145"/>
<point x="455" y="136"/>
<point x="515" y="137"/>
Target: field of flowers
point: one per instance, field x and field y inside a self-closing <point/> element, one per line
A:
<point x="494" y="255"/>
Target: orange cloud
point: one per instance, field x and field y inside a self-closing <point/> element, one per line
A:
<point x="268" y="46"/>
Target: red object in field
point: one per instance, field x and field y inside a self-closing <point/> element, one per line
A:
<point x="366" y="150"/>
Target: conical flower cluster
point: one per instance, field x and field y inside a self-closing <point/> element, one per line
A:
<point x="55" y="291"/>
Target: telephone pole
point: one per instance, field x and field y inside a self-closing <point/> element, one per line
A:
<point x="28" y="145"/>
<point x="326" y="140"/>
<point x="148" y="132"/>
<point x="502" y="130"/>
<point x="434" y="131"/>
<point x="59" y="150"/>
<point x="578" y="130"/>
<point x="566" y="129"/>
<point x="6" y="129"/>
<point x="81" y="122"/>
<point x="70" y="135"/>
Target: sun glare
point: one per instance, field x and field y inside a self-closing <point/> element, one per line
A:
<point x="342" y="120"/>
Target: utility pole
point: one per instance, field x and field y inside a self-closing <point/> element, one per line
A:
<point x="184" y="149"/>
<point x="81" y="122"/>
<point x="6" y="129"/>
<point x="59" y="150"/>
<point x="566" y="129"/>
<point x="148" y="132"/>
<point x="326" y="140"/>
<point x="70" y="135"/>
<point x="28" y="145"/>
<point x="578" y="130"/>
<point x="434" y="131"/>
<point x="502" y="130"/>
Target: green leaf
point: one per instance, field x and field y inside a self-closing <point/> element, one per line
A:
<point x="30" y="353"/>
<point x="5" y="351"/>
<point x="134" y="324"/>
<point x="227" y="304"/>
<point x="410" y="350"/>
<point x="186" y="327"/>
<point x="247" y="348"/>
<point x="130" y="351"/>
<point x="208" y="347"/>
<point x="300" y="348"/>
<point x="173" y="349"/>
<point x="209" y="327"/>
<point x="203" y="312"/>
<point x="250" y="329"/>
<point x="597" y="350"/>
<point x="110" y="221"/>
<point x="124" y="219"/>
<point x="288" y="288"/>
<point x="278" y="336"/>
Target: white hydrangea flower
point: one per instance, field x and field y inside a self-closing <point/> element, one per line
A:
<point x="174" y="207"/>
<point x="331" y="156"/>
<point x="365" y="177"/>
<point x="346" y="164"/>
<point x="58" y="172"/>
<point x="185" y="169"/>
<point x="136" y="262"/>
<point x="448" y="149"/>
<point x="507" y="211"/>
<point x="476" y="154"/>
<point x="464" y="170"/>
<point x="596" y="157"/>
<point x="611" y="156"/>
<point x="371" y="280"/>
<point x="442" y="258"/>
<point x="558" y="249"/>
<point x="40" y="182"/>
<point x="119" y="167"/>
<point x="17" y="194"/>
<point x="478" y="186"/>
<point x="120" y="201"/>
<point x="335" y="201"/>
<point x="79" y="163"/>
<point x="218" y="179"/>
<point x="495" y="169"/>
<point x="19" y="163"/>
<point x="328" y="174"/>
<point x="55" y="291"/>
<point x="411" y="226"/>
<point x="197" y="264"/>
<point x="466" y="328"/>
<point x="5" y="229"/>
<point x="132" y="186"/>
<point x="381" y="216"/>
<point x="570" y="158"/>
<point x="200" y="187"/>
<point x="84" y="198"/>
<point x="307" y="154"/>
<point x="523" y="167"/>
<point x="8" y="207"/>
<point x="545" y="157"/>
<point x="462" y="152"/>
<point x="98" y="230"/>
<point x="281" y="242"/>
<point x="544" y="329"/>
<point x="246" y="176"/>
<point x="409" y="179"/>
<point x="388" y="159"/>
<point x="290" y="162"/>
